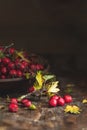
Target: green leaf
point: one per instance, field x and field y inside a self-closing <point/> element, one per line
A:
<point x="37" y="86"/>
<point x="27" y="75"/>
<point x="48" y="77"/>
<point x="1" y="54"/>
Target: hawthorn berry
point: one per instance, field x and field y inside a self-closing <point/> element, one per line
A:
<point x="53" y="102"/>
<point x="55" y="97"/>
<point x="3" y="77"/>
<point x="39" y="67"/>
<point x="25" y="63"/>
<point x="11" y="50"/>
<point x="31" y="89"/>
<point x="61" y="101"/>
<point x="1" y="48"/>
<point x="14" y="100"/>
<point x="19" y="73"/>
<point x="26" y="102"/>
<point x="13" y="107"/>
<point x="13" y="73"/>
<point x="67" y="98"/>
<point x="33" y="67"/>
<point x="11" y="65"/>
<point x="3" y="70"/>
<point x="5" y="60"/>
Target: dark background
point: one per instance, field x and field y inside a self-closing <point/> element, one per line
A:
<point x="56" y="29"/>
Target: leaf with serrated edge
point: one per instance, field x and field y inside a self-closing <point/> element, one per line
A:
<point x="39" y="78"/>
<point x="53" y="87"/>
<point x="72" y="109"/>
<point x="84" y="101"/>
<point x="48" y="77"/>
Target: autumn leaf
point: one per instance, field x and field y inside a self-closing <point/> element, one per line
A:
<point x="1" y="54"/>
<point x="52" y="88"/>
<point x="21" y="55"/>
<point x="39" y="78"/>
<point x="84" y="101"/>
<point x="72" y="109"/>
<point x="37" y="86"/>
<point x="27" y="75"/>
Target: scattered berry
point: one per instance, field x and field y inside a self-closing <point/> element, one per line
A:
<point x="55" y="97"/>
<point x="53" y="102"/>
<point x="13" y="107"/>
<point x="14" y="100"/>
<point x="26" y="102"/>
<point x="68" y="98"/>
<point x="61" y="101"/>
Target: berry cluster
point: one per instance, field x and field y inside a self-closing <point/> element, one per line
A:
<point x="59" y="101"/>
<point x="14" y="104"/>
<point x="15" y="64"/>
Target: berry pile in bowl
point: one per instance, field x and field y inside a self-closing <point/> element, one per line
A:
<point x="18" y="66"/>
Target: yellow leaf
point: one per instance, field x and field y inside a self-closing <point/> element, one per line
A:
<point x="76" y="109"/>
<point x="39" y="78"/>
<point x="84" y="101"/>
<point x="68" y="108"/>
<point x="72" y="109"/>
<point x="21" y="55"/>
<point x="53" y="87"/>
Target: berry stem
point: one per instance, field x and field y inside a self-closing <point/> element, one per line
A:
<point x="6" y="47"/>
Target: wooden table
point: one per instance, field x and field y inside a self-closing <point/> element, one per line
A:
<point x="49" y="118"/>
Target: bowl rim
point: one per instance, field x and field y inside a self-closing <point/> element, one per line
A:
<point x="11" y="80"/>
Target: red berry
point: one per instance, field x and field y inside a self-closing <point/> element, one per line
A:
<point x="25" y="63"/>
<point x="68" y="98"/>
<point x="14" y="100"/>
<point x="11" y="65"/>
<point x="5" y="60"/>
<point x="13" y="107"/>
<point x="33" y="67"/>
<point x="55" y="97"/>
<point x="0" y="60"/>
<point x="1" y="48"/>
<point x="61" y="101"/>
<point x="22" y="66"/>
<point x="13" y="72"/>
<point x="4" y="70"/>
<point x="26" y="102"/>
<point x="31" y="89"/>
<point x="11" y="50"/>
<point x="19" y="73"/>
<point x="53" y="102"/>
<point x="3" y="77"/>
<point x="39" y="67"/>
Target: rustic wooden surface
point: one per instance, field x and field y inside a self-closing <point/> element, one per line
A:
<point x="49" y="118"/>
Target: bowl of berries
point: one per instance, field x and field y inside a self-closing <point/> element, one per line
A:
<point x="18" y="68"/>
